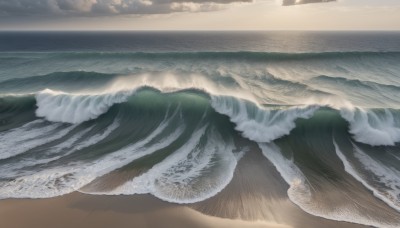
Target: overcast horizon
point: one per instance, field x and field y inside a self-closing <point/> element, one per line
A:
<point x="199" y="15"/>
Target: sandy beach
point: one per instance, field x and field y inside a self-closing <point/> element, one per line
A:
<point x="254" y="207"/>
<point x="79" y="210"/>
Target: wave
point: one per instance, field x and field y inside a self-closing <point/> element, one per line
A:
<point x="77" y="142"/>
<point x="301" y="191"/>
<point x="382" y="176"/>
<point x="208" y="152"/>
<point x="374" y="127"/>
<point x="184" y="176"/>
<point x="71" y="81"/>
<point x="356" y="82"/>
<point x="182" y="146"/>
<point x="75" y="108"/>
<point x="31" y="135"/>
<point x="246" y="133"/>
<point x="71" y="177"/>
<point x="260" y="123"/>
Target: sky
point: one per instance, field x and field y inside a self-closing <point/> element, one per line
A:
<point x="199" y="14"/>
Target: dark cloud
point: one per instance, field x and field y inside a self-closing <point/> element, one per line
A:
<point x="14" y="8"/>
<point x="299" y="2"/>
<point x="106" y="7"/>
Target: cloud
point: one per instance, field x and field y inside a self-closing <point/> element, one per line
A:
<point x="14" y="8"/>
<point x="106" y="7"/>
<point x="299" y="2"/>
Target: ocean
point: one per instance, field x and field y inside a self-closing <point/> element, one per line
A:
<point x="171" y="114"/>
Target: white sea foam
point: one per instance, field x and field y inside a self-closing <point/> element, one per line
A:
<point x="76" y="108"/>
<point x="382" y="176"/>
<point x="288" y="170"/>
<point x="191" y="174"/>
<point x="94" y="139"/>
<point x="395" y="156"/>
<point x="70" y="142"/>
<point x="300" y="193"/>
<point x="74" y="143"/>
<point x="370" y="127"/>
<point x="257" y="123"/>
<point x="71" y="177"/>
<point x="11" y="170"/>
<point x="143" y="183"/>
<point x="29" y="136"/>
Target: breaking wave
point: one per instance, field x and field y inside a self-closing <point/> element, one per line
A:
<point x="180" y="132"/>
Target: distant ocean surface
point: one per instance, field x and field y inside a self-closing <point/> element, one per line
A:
<point x="172" y="113"/>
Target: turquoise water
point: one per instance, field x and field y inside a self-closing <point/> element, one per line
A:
<point x="172" y="114"/>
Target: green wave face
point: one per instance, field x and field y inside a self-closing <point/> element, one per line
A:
<point x="181" y="126"/>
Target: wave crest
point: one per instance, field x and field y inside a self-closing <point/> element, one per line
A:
<point x="259" y="124"/>
<point x="70" y="108"/>
<point x="373" y="127"/>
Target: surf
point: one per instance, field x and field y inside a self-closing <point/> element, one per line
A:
<point x="170" y="127"/>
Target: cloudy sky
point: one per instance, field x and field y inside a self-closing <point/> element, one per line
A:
<point x="200" y="14"/>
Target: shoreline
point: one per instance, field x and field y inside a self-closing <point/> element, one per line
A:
<point x="240" y="204"/>
<point x="81" y="210"/>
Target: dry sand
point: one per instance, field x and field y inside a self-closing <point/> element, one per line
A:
<point x="83" y="211"/>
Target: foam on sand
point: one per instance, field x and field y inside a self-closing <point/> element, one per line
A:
<point x="193" y="173"/>
<point x="300" y="192"/>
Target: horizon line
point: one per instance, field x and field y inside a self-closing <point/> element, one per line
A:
<point x="200" y="30"/>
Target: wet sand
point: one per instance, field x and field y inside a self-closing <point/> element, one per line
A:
<point x="248" y="201"/>
<point x="84" y="211"/>
<point x="258" y="192"/>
